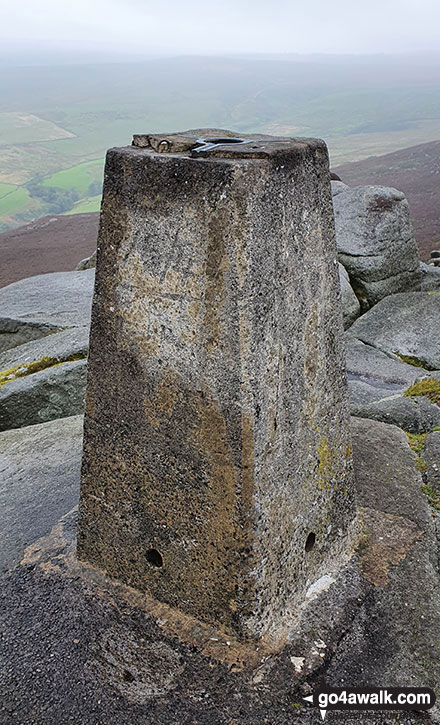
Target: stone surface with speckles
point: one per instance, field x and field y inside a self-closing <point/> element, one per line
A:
<point x="82" y="648"/>
<point x="43" y="305"/>
<point x="216" y="427"/>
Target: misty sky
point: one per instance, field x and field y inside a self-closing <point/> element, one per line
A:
<point x="231" y="26"/>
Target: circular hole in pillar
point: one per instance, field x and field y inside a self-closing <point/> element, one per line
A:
<point x="310" y="542"/>
<point x="154" y="557"/>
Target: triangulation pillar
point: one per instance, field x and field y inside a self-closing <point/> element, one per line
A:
<point x="217" y="468"/>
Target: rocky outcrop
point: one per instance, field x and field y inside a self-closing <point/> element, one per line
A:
<point x="54" y="392"/>
<point x="87" y="263"/>
<point x="431" y="457"/>
<point x="70" y="344"/>
<point x="390" y="632"/>
<point x="430" y="277"/>
<point x="412" y="414"/>
<point x="43" y="379"/>
<point x="38" y="306"/>
<point x="435" y="258"/>
<point x="375" y="241"/>
<point x="39" y="482"/>
<point x="404" y="326"/>
<point x="378" y="624"/>
<point x="392" y="353"/>
<point x="350" y="303"/>
<point x="373" y="375"/>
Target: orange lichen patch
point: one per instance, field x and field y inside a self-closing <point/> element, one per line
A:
<point x="385" y="541"/>
<point x="164" y="400"/>
<point x="212" y="442"/>
<point x="174" y="282"/>
<point x="194" y="309"/>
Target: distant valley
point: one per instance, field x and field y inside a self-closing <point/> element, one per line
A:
<point x="57" y="121"/>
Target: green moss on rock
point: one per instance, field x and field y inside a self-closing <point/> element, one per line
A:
<point x="416" y="441"/>
<point x="427" y="387"/>
<point x="414" y="361"/>
<point x="25" y="369"/>
<point x="433" y="497"/>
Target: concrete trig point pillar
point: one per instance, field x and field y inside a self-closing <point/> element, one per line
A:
<point x="217" y="468"/>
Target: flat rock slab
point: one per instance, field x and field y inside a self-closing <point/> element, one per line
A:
<point x="55" y="392"/>
<point x="412" y="414"/>
<point x="405" y="324"/>
<point x="59" y="347"/>
<point x="82" y="648"/>
<point x="373" y="375"/>
<point x="36" y="306"/>
<point x="370" y="365"/>
<point x="430" y="277"/>
<point x="39" y="472"/>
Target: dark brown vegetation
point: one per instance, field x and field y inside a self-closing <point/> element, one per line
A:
<point x="51" y="244"/>
<point x="416" y="172"/>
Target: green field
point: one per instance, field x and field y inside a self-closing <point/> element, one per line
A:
<point x="87" y="206"/>
<point x="78" y="177"/>
<point x="57" y="122"/>
<point x="6" y="189"/>
<point x="15" y="200"/>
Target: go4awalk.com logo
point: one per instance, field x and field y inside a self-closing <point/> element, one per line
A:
<point x="372" y="698"/>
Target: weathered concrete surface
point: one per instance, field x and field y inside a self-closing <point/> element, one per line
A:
<point x="31" y="309"/>
<point x="375" y="241"/>
<point x="406" y="324"/>
<point x="83" y="648"/>
<point x="39" y="482"/>
<point x="217" y="467"/>
<point x="55" y="392"/>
